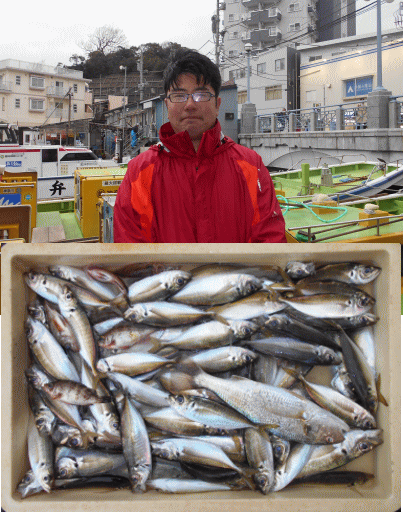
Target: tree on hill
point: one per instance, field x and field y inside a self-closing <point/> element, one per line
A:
<point x="104" y="40"/>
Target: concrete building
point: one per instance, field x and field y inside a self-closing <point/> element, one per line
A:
<point x="345" y="70"/>
<point x="32" y="95"/>
<point x="274" y="28"/>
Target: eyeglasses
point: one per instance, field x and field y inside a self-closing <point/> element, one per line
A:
<point x="182" y="97"/>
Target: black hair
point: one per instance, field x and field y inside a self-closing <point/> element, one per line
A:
<point x="193" y="63"/>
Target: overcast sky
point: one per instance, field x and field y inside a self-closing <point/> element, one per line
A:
<point x="49" y="34"/>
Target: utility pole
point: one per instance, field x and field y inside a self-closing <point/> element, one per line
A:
<point x="217" y="34"/>
<point x="140" y="68"/>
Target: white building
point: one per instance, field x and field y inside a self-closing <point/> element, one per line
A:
<point x="33" y="95"/>
<point x="345" y="70"/>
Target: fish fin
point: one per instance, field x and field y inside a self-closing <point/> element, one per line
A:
<point x="221" y="319"/>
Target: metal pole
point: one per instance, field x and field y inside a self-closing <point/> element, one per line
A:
<point x="248" y="48"/>
<point x="217" y="35"/>
<point x="379" y="44"/>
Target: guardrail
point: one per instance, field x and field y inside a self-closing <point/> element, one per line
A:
<point x="347" y="116"/>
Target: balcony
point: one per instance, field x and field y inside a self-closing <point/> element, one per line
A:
<point x="312" y="12"/>
<point x="57" y="92"/>
<point x="6" y="86"/>
<point x="262" y="16"/>
<point x="263" y="36"/>
<point x="59" y="113"/>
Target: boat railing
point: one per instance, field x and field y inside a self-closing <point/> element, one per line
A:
<point x="313" y="231"/>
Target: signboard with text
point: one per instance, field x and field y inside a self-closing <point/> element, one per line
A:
<point x="358" y="86"/>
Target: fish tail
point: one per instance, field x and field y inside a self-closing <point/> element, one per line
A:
<point x="381" y="398"/>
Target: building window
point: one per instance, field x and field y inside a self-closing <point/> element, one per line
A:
<point x="315" y="57"/>
<point x="294" y="27"/>
<point x="261" y="68"/>
<point x="294" y="7"/>
<point x="358" y="86"/>
<point x="237" y="73"/>
<point x="75" y="108"/>
<point x="234" y="35"/>
<point x="311" y="95"/>
<point x="279" y="64"/>
<point x="75" y="88"/>
<point x="36" y="105"/>
<point x="17" y="103"/>
<point x="273" y="92"/>
<point x="242" y="97"/>
<point x="37" y="82"/>
<point x="229" y="116"/>
<point x="3" y="103"/>
<point x="233" y="53"/>
<point x="18" y="80"/>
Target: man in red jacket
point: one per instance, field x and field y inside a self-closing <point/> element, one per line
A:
<point x="196" y="185"/>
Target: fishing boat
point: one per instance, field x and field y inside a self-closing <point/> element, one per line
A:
<point x="377" y="219"/>
<point x="340" y="182"/>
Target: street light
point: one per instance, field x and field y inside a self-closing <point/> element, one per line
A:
<point x="379" y="86"/>
<point x="248" y="49"/>
<point x="124" y="109"/>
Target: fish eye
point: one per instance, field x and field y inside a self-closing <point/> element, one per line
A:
<point x="63" y="472"/>
<point x="180" y="280"/>
<point x="261" y="480"/>
<point x="115" y="425"/>
<point x="364" y="447"/>
<point x="27" y="479"/>
<point x="39" y="422"/>
<point x="329" y="439"/>
<point x="46" y="478"/>
<point x="74" y="442"/>
<point x="180" y="399"/>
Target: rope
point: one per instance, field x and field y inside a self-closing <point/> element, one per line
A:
<point x="309" y="207"/>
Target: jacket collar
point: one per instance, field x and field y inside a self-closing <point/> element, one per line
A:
<point x="181" y="144"/>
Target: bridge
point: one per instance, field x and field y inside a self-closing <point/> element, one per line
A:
<point x="331" y="134"/>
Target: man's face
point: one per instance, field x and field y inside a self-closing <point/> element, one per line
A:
<point x="193" y="117"/>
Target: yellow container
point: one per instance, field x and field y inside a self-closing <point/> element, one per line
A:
<point x="369" y="216"/>
<point x="88" y="188"/>
<point x="23" y="193"/>
<point x="321" y="211"/>
<point x="381" y="494"/>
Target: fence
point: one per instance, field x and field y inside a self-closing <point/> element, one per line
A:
<point x="347" y="116"/>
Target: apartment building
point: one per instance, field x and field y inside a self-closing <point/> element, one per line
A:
<point x="33" y="95"/>
<point x="274" y="28"/>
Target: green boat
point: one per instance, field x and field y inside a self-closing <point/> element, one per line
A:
<point x="340" y="182"/>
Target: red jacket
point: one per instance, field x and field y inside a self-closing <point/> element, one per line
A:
<point x="222" y="193"/>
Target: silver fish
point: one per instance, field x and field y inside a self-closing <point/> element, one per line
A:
<point x="70" y="463"/>
<point x="209" y="412"/>
<point x="300" y="269"/>
<point x="40" y="454"/>
<point x="347" y="272"/>
<point x="330" y="305"/>
<point x="136" y="446"/>
<point x="80" y="325"/>
<point x="217" y="289"/>
<point x="133" y="363"/>
<point x="48" y="352"/>
<point x="60" y="328"/>
<point x="168" y="420"/>
<point x="164" y="314"/>
<point x="356" y="443"/>
<point x="298" y="419"/>
<point x="139" y="390"/>
<point x="171" y="485"/>
<point x="257" y="305"/>
<point x="45" y="420"/>
<point x="124" y="337"/>
<point x="296" y="350"/>
<point x="223" y="359"/>
<point x="191" y="450"/>
<point x="29" y="485"/>
<point x="292" y="467"/>
<point x="259" y="452"/>
<point x="81" y="278"/>
<point x="158" y="287"/>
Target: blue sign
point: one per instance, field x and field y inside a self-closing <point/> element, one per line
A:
<point x="359" y="86"/>
<point x="14" y="164"/>
<point x="7" y="199"/>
